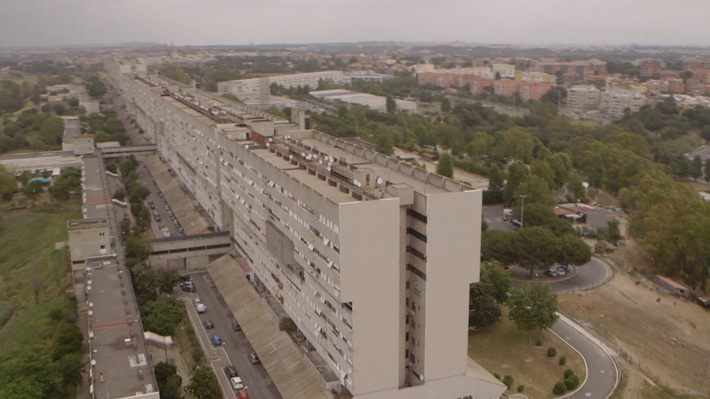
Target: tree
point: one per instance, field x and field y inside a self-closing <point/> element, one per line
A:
<point x="707" y="170"/>
<point x="535" y="248"/>
<point x="446" y="166"/>
<point x="482" y="309"/>
<point x="204" y="384"/>
<point x="446" y="105"/>
<point x="612" y="232"/>
<point x="10" y="96"/>
<point x="573" y="250"/>
<point x="162" y="315"/>
<point x="391" y="105"/>
<point x="8" y="185"/>
<point x="166" y="279"/>
<point x="496" y="280"/>
<point x="497" y="245"/>
<point x="532" y="307"/>
<point x="696" y="167"/>
<point x="138" y="248"/>
<point x="33" y="188"/>
<point x="168" y="380"/>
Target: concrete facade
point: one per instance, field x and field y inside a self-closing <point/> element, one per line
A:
<point x="372" y="258"/>
<point x="582" y="99"/>
<point x="256" y="90"/>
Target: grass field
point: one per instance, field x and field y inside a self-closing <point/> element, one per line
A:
<point x="34" y="276"/>
<point x="503" y="349"/>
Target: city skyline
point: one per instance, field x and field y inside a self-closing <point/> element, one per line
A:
<point x="222" y="22"/>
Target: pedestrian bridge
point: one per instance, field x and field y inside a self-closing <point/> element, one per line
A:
<point x="210" y="244"/>
<point x="119" y="152"/>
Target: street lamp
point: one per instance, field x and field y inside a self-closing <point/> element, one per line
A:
<point x="522" y="211"/>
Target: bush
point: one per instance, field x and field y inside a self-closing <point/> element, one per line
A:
<point x="563" y="360"/>
<point x="568" y="372"/>
<point x="572" y="382"/>
<point x="551" y="351"/>
<point x="521" y="388"/>
<point x="538" y="342"/>
<point x="508" y="381"/>
<point x="560" y="388"/>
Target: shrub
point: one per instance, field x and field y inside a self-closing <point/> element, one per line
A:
<point x="563" y="360"/>
<point x="508" y="381"/>
<point x="568" y="373"/>
<point x="521" y="388"/>
<point x="572" y="382"/>
<point x="551" y="351"/>
<point x="560" y="388"/>
<point x="538" y="342"/>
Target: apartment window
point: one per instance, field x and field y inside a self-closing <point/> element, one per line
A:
<point x="416" y="215"/>
<point x="416" y="253"/>
<point x="415" y="233"/>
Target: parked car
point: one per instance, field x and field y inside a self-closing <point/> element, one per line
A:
<point x="236" y="383"/>
<point x="188" y="286"/>
<point x="217" y="340"/>
<point x="253" y="358"/>
<point x="243" y="394"/>
<point x="230" y="371"/>
<point x="208" y="324"/>
<point x="236" y="326"/>
<point x="552" y="272"/>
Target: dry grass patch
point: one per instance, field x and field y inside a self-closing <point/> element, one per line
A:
<point x="503" y="349"/>
<point x="663" y="339"/>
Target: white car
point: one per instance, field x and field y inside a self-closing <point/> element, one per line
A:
<point x="237" y="383"/>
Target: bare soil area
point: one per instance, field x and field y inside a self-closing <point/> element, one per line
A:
<point x="663" y="341"/>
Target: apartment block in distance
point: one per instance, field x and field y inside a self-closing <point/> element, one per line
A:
<point x="371" y="257"/>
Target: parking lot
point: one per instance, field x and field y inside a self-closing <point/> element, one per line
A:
<point x="235" y="349"/>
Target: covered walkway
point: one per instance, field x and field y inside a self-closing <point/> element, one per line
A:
<point x="292" y="374"/>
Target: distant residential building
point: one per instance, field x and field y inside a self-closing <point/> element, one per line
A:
<point x="583" y="98"/>
<point x="537" y="77"/>
<point x="257" y="90"/>
<point x="615" y="101"/>
<point x="529" y="85"/>
<point x="676" y="86"/>
<point x="650" y="67"/>
<point x="656" y="86"/>
<point x="504" y="70"/>
<point x="575" y="70"/>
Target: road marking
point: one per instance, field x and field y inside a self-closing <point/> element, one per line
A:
<point x="588" y="394"/>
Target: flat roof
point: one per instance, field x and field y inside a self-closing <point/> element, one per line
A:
<point x="119" y="356"/>
<point x="96" y="200"/>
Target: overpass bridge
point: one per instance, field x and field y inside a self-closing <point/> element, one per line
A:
<point x="119" y="152"/>
<point x="196" y="250"/>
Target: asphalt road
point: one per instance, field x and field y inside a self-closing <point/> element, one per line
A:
<point x="236" y="348"/>
<point x="602" y="373"/>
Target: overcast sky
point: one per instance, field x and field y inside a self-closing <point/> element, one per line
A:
<point x="204" y="22"/>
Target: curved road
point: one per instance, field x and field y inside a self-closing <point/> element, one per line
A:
<point x="602" y="372"/>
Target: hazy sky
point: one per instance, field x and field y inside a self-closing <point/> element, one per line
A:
<point x="197" y="22"/>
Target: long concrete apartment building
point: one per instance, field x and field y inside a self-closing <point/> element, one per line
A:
<point x="371" y="257"/>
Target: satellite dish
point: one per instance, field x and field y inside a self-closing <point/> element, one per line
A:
<point x="290" y="157"/>
<point x="303" y="155"/>
<point x="328" y="168"/>
<point x="380" y="180"/>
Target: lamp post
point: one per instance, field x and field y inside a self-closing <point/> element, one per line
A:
<point x="522" y="211"/>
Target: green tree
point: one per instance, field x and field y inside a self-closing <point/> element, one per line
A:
<point x="8" y="185"/>
<point x="696" y="167"/>
<point x="573" y="250"/>
<point x="446" y="105"/>
<point x="532" y="307"/>
<point x="497" y="245"/>
<point x="391" y="104"/>
<point x="535" y="248"/>
<point x="10" y="96"/>
<point x="482" y="310"/>
<point x="707" y="170"/>
<point x="138" y="248"/>
<point x="168" y="380"/>
<point x="496" y="280"/>
<point x="385" y="144"/>
<point x="166" y="279"/>
<point x="517" y="174"/>
<point x="204" y="384"/>
<point x="162" y="315"/>
<point x="33" y="188"/>
<point x="445" y="166"/>
<point x="52" y="131"/>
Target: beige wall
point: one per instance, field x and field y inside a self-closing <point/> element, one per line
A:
<point x="370" y="275"/>
<point x="453" y="256"/>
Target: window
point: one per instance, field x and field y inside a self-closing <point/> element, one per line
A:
<point x="416" y="215"/>
<point x="416" y="234"/>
